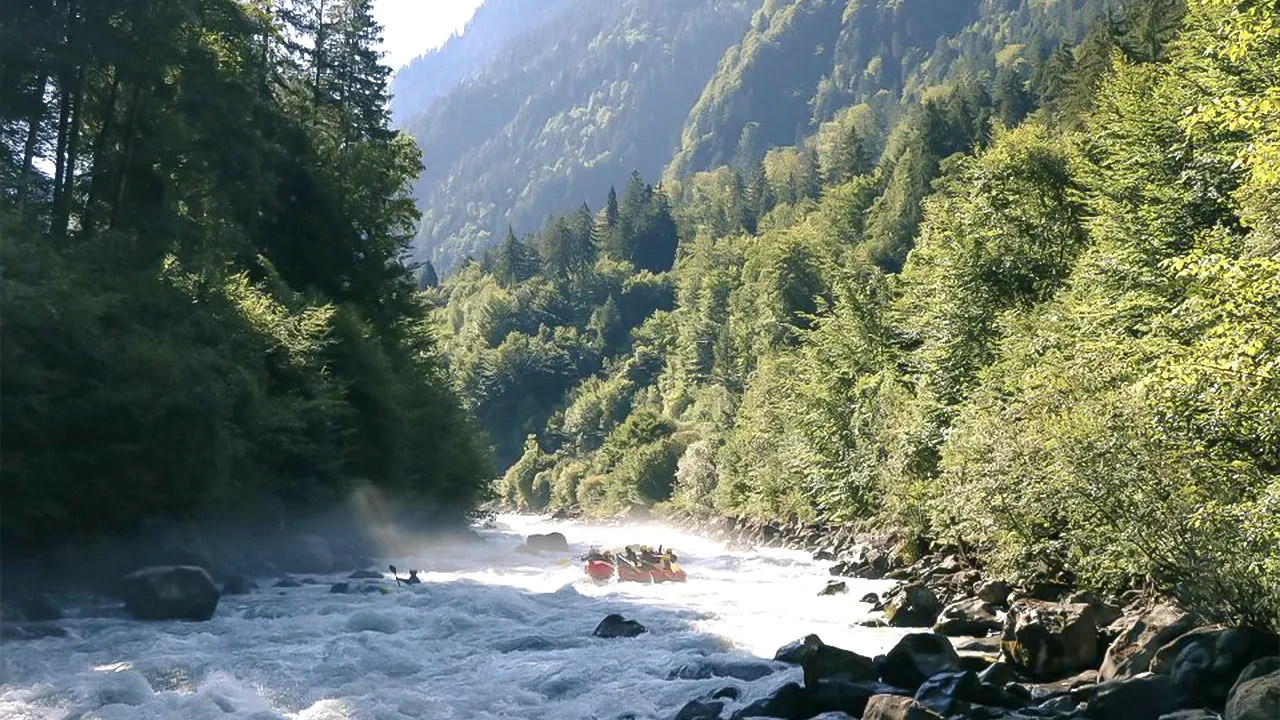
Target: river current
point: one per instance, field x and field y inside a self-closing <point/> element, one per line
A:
<point x="491" y="633"/>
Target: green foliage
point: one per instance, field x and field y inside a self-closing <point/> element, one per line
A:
<point x="205" y="308"/>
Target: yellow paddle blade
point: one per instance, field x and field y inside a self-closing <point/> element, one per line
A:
<point x="564" y="561"/>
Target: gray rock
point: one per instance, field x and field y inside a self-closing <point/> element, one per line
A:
<point x="1049" y="640"/>
<point x="615" y="626"/>
<point x="1207" y="661"/>
<point x="1197" y="714"/>
<point x="237" y="585"/>
<point x="913" y="606"/>
<point x="176" y="592"/>
<point x="834" y="587"/>
<point x="548" y="542"/>
<point x="365" y="575"/>
<point x="340" y="588"/>
<point x="789" y="702"/>
<point x="1140" y="636"/>
<point x="896" y="707"/>
<point x="915" y="658"/>
<point x="870" y="599"/>
<point x="1141" y="697"/>
<point x="995" y="592"/>
<point x="1255" y="699"/>
<point x="969" y="617"/>
<point x="287" y="583"/>
<point x="700" y="710"/>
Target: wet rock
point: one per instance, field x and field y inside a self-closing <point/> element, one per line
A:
<point x="915" y="658"/>
<point x="949" y="692"/>
<point x="789" y="702"/>
<point x="365" y="575"/>
<point x="615" y="626"/>
<point x="821" y="661"/>
<point x="700" y="710"/>
<point x="340" y="588"/>
<point x="1049" y="640"/>
<point x="914" y="606"/>
<point x="843" y="696"/>
<point x="237" y="585"/>
<point x="548" y="542"/>
<point x="1141" y="697"/>
<point x="175" y="592"/>
<point x="990" y="645"/>
<point x="995" y="592"/>
<point x="1061" y="705"/>
<point x="871" y="599"/>
<point x="1140" y="636"/>
<point x="872" y="623"/>
<point x="999" y="674"/>
<point x="824" y="555"/>
<point x="896" y="707"/>
<point x="1257" y="669"/>
<point x="728" y="692"/>
<point x="1104" y="613"/>
<point x="834" y="587"/>
<point x="1257" y="698"/>
<point x="1207" y="661"/>
<point x="971" y="617"/>
<point x="287" y="583"/>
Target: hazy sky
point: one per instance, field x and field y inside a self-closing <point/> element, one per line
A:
<point x="412" y="27"/>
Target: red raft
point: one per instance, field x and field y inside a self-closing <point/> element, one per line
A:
<point x="601" y="571"/>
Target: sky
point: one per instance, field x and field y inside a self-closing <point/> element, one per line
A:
<point x="412" y="27"/>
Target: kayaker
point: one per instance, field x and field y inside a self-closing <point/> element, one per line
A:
<point x="413" y="578"/>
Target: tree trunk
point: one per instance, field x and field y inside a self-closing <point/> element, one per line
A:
<point x="33" y="137"/>
<point x="99" y="147"/>
<point x="62" y="208"/>
<point x="127" y="159"/>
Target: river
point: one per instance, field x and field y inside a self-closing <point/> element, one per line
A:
<point x="491" y="633"/>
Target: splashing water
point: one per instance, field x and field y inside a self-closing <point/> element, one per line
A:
<point x="491" y="633"/>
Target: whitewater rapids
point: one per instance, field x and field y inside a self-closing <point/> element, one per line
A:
<point x="491" y="633"/>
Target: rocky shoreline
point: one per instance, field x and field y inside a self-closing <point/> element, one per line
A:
<point x="988" y="649"/>
<point x="980" y="648"/>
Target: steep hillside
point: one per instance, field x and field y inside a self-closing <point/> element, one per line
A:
<point x="430" y="75"/>
<point x="804" y="60"/>
<point x="564" y="109"/>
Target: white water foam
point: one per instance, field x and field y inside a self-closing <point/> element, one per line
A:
<point x="491" y="633"/>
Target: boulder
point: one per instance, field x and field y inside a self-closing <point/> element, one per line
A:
<point x="365" y="575"/>
<point x="287" y="583"/>
<point x="971" y="617"/>
<point x="1046" y="590"/>
<point x="549" y="542"/>
<point x="913" y="606"/>
<point x="896" y="707"/>
<point x="1257" y="669"/>
<point x="916" y="658"/>
<point x="1049" y="640"/>
<point x="237" y="585"/>
<point x="1197" y="714"/>
<point x="727" y="692"/>
<point x="870" y="599"/>
<point x="949" y="693"/>
<point x="744" y="670"/>
<point x="998" y="673"/>
<point x="1140" y="636"/>
<point x="1255" y="699"/>
<point x="995" y="592"/>
<point x="700" y="710"/>
<point x="340" y="588"/>
<point x="826" y="662"/>
<point x="615" y="626"/>
<point x="175" y="592"/>
<point x="789" y="702"/>
<point x="1207" y="661"/>
<point x="834" y="587"/>
<point x="1141" y="697"/>
<point x="1104" y="613"/>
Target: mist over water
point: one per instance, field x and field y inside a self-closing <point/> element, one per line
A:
<point x="491" y="633"/>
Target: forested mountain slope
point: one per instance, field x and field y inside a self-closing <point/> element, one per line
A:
<point x="565" y="109"/>
<point x="804" y="60"/>
<point x="1040" y="327"/>
<point x="496" y="22"/>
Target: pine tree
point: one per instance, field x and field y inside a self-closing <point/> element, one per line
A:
<point x="1011" y="98"/>
<point x="514" y="262"/>
<point x="427" y="277"/>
